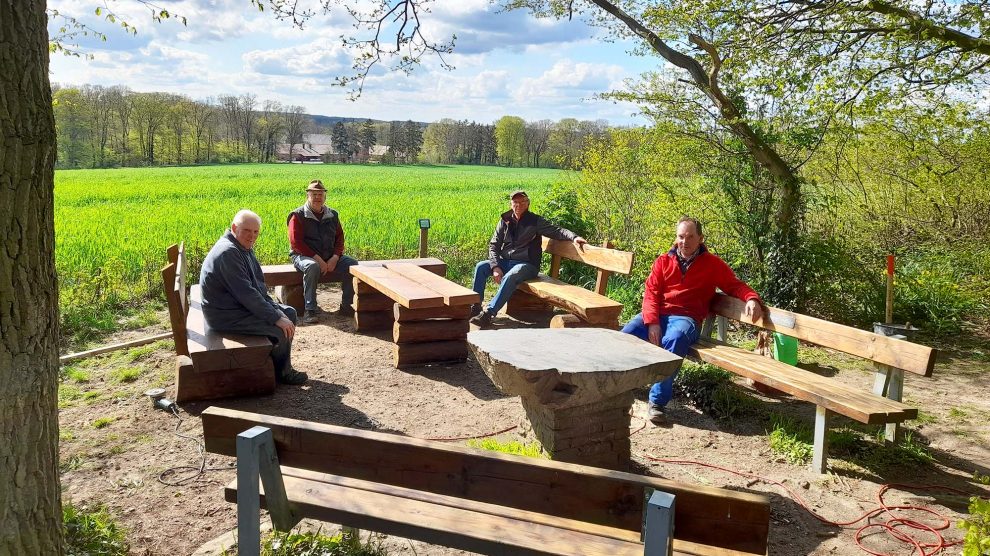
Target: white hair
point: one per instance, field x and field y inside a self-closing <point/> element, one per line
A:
<point x="245" y="214"/>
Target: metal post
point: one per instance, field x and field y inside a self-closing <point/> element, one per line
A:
<point x="722" y="324"/>
<point x="424" y="233"/>
<point x="659" y="525"/>
<point x="819" y="460"/>
<point x="248" y="492"/>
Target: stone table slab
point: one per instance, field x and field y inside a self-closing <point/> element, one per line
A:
<point x="564" y="367"/>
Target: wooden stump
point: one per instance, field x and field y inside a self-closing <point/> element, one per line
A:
<point x="373" y="302"/>
<point x="292" y="296"/>
<point x="526" y="306"/>
<point x="410" y="332"/>
<point x="367" y="321"/>
<point x="403" y="314"/>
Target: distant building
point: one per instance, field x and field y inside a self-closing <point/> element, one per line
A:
<point x="312" y="149"/>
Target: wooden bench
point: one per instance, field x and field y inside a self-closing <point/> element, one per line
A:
<point x="287" y="281"/>
<point x="428" y="314"/>
<point x="466" y="498"/>
<point x="585" y="308"/>
<point x="210" y="364"/>
<point x="891" y="357"/>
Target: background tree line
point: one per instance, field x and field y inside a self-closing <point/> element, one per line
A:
<point x="100" y="127"/>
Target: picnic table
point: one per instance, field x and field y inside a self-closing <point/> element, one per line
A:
<point x="576" y="385"/>
<point x="428" y="314"/>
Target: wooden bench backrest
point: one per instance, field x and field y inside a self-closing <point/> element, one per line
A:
<point x="174" y="282"/>
<point x="705" y="515"/>
<point x="605" y="259"/>
<point x="897" y="353"/>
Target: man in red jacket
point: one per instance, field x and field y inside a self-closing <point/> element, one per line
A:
<point x="678" y="293"/>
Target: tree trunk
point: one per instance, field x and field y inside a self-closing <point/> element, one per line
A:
<point x="30" y="501"/>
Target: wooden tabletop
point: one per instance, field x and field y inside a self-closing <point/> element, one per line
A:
<point x="414" y="287"/>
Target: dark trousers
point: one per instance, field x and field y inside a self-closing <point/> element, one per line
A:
<point x="282" y="352"/>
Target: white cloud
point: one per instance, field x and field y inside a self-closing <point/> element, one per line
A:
<point x="571" y="79"/>
<point x="320" y="58"/>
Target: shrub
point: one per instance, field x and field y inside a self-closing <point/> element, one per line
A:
<point x="312" y="543"/>
<point x="977" y="541"/>
<point x="92" y="532"/>
<point x="532" y="450"/>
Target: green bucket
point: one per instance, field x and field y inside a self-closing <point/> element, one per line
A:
<point x="785" y="348"/>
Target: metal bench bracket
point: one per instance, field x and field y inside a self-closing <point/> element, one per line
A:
<point x="256" y="456"/>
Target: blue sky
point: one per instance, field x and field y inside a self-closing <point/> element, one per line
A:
<point x="506" y="63"/>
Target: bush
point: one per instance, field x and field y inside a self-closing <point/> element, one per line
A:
<point x="316" y="544"/>
<point x="977" y="541"/>
<point x="90" y="533"/>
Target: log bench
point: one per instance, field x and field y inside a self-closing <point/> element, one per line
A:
<point x="584" y="307"/>
<point x="891" y="356"/>
<point x="469" y="499"/>
<point x="287" y="281"/>
<point x="209" y="364"/>
<point x="428" y="314"/>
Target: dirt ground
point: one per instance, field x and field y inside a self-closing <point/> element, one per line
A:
<point x="115" y="447"/>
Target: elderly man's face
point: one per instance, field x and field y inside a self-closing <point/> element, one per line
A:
<point x="316" y="199"/>
<point x="688" y="240"/>
<point x="520" y="205"/>
<point x="247" y="232"/>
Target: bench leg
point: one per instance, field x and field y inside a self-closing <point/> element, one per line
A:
<point x="819" y="460"/>
<point x="659" y="537"/>
<point x="889" y="383"/>
<point x="723" y="328"/>
<point x="256" y="456"/>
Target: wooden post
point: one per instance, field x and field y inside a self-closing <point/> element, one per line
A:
<point x="819" y="460"/>
<point x="722" y="324"/>
<point x="659" y="537"/>
<point x="601" y="281"/>
<point x="423" y="241"/>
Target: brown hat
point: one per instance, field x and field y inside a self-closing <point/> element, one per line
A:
<point x="316" y="185"/>
<point x="518" y="193"/>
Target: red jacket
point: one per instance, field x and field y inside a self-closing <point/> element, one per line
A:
<point x="668" y="292"/>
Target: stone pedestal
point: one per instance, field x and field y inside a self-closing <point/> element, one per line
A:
<point x="576" y="385"/>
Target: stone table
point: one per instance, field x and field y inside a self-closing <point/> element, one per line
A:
<point x="576" y="385"/>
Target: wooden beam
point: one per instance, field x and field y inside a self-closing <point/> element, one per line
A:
<point x="114" y="347"/>
<point x="404" y="314"/>
<point x="440" y="351"/>
<point x="586" y="304"/>
<point x="429" y="330"/>
<point x="599" y="257"/>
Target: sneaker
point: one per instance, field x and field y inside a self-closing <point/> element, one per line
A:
<point x="311" y="317"/>
<point x="293" y="377"/>
<point x="476" y="309"/>
<point x="655" y="414"/>
<point x="483" y="320"/>
<point x="345" y="311"/>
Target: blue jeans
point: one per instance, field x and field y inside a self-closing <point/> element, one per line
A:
<point x="515" y="272"/>
<point x="311" y="279"/>
<point x="676" y="336"/>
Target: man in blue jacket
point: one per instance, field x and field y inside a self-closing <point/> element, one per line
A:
<point x="236" y="300"/>
<point x="514" y="254"/>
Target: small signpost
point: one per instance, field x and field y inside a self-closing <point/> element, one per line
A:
<point x="424" y="232"/>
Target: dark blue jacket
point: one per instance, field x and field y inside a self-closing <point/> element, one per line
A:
<point x="234" y="287"/>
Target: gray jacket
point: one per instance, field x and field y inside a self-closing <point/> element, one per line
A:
<point x="234" y="287"/>
<point x="521" y="240"/>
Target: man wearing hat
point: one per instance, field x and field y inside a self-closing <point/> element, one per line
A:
<point x="317" y="241"/>
<point x="514" y="254"/>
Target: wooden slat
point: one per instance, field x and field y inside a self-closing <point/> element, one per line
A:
<point x="373" y="302"/>
<point x="401" y="289"/>
<point x="586" y="304"/>
<point x="214" y="351"/>
<point x="181" y="268"/>
<point x="287" y="275"/>
<point x="860" y="405"/>
<point x="705" y="515"/>
<point x="452" y="292"/>
<point x="901" y="354"/>
<point x="430" y="330"/>
<point x="438" y="351"/>
<point x="454" y="522"/>
<point x="402" y="314"/>
<point x="598" y="257"/>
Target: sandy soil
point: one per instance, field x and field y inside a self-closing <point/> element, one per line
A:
<point x="353" y="383"/>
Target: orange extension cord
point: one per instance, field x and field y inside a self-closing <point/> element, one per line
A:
<point x="901" y="529"/>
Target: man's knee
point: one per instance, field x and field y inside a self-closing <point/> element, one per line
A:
<point x="290" y="313"/>
<point x="676" y="342"/>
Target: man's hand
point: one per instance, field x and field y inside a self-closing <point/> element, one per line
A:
<point x="497" y="274"/>
<point x="580" y="242"/>
<point x="323" y="264"/>
<point x="287" y="327"/>
<point x="331" y="264"/>
<point x="655" y="334"/>
<point x="754" y="310"/>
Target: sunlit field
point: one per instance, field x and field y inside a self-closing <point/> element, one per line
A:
<point x="113" y="226"/>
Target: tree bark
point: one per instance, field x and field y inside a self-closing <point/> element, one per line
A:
<point x="30" y="501"/>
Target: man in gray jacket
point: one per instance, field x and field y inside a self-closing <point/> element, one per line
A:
<point x="236" y="300"/>
<point x="514" y="254"/>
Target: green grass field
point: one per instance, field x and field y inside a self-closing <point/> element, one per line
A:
<point x="112" y="226"/>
